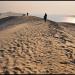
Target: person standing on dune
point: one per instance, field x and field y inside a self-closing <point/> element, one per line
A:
<point x="45" y="17"/>
<point x="27" y="13"/>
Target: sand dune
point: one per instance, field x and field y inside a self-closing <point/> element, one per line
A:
<point x="28" y="45"/>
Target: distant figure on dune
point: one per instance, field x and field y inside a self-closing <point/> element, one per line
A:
<point x="45" y="17"/>
<point x="27" y="13"/>
<point x="23" y="14"/>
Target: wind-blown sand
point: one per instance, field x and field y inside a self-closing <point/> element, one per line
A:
<point x="32" y="46"/>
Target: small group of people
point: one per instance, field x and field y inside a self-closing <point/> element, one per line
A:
<point x="26" y="14"/>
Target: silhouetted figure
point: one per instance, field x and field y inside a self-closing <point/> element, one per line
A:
<point x="23" y="14"/>
<point x="45" y="17"/>
<point x="27" y="13"/>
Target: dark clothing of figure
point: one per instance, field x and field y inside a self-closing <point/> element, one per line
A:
<point x="45" y="17"/>
<point x="27" y="14"/>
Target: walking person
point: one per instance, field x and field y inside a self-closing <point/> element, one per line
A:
<point x="27" y="13"/>
<point x="45" y="17"/>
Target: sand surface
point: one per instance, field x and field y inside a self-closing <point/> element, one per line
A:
<point x="36" y="47"/>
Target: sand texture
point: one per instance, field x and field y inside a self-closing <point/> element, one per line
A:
<point x="28" y="45"/>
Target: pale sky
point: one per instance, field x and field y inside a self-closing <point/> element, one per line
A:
<point x="39" y="7"/>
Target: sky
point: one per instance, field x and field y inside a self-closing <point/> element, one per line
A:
<point x="39" y="7"/>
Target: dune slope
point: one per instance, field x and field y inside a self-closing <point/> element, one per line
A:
<point x="35" y="47"/>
